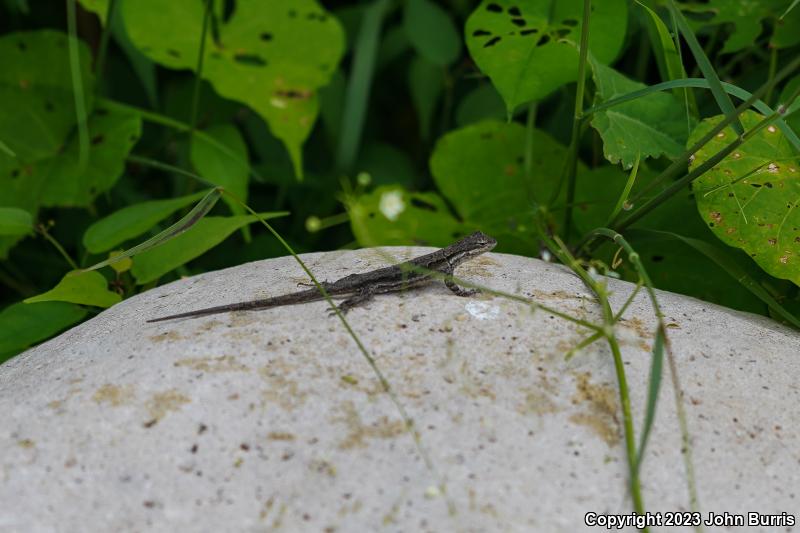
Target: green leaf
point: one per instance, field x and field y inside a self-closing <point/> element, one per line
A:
<point x="426" y="80"/>
<point x="482" y="103"/>
<point x="729" y="264"/>
<point x="85" y="288"/>
<point x="15" y="221"/>
<point x="751" y="199"/>
<point x="36" y="92"/>
<point x="98" y="7"/>
<point x="392" y="215"/>
<point x="431" y="32"/>
<point x="22" y="325"/>
<point x="112" y="135"/>
<point x="705" y="66"/>
<point x="206" y="233"/>
<point x="746" y="17"/>
<point x="529" y="48"/>
<point x="386" y="165"/>
<point x="669" y="59"/>
<point x="652" y="126"/>
<point x="132" y="221"/>
<point x="362" y="71"/>
<point x="479" y="169"/>
<point x="786" y="34"/>
<point x="219" y="167"/>
<point x="272" y="56"/>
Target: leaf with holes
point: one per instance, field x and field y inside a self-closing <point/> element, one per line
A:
<point x="205" y="234"/>
<point x="652" y="126"/>
<point x="132" y="221"/>
<point x="112" y="135"/>
<point x="220" y="167"/>
<point x="86" y="288"/>
<point x="392" y="215"/>
<point x="22" y="325"/>
<point x="747" y="18"/>
<point x="36" y="91"/>
<point x="751" y="199"/>
<point x="530" y="47"/>
<point x="479" y="169"/>
<point x="273" y="56"/>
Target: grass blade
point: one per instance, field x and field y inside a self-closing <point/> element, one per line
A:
<point x="184" y="224"/>
<point x="723" y="100"/>
<point x="653" y="387"/>
<point x="358" y="87"/>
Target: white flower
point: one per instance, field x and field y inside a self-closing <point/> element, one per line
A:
<point x="392" y="204"/>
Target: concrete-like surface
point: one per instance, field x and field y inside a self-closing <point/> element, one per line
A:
<point x="274" y="421"/>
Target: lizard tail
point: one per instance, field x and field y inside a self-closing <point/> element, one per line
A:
<point x="298" y="297"/>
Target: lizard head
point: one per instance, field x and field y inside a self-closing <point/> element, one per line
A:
<point x="479" y="243"/>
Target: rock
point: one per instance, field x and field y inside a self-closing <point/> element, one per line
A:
<point x="275" y="420"/>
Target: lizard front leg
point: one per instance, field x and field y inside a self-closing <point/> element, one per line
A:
<point x="453" y="286"/>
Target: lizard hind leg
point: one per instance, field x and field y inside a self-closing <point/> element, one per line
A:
<point x="357" y="299"/>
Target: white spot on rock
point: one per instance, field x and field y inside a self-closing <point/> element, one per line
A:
<point x="482" y="310"/>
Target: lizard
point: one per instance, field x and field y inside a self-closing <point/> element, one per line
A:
<point x="362" y="287"/>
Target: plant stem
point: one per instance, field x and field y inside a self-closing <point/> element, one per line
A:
<point x="529" y="127"/>
<point x="773" y="65"/>
<point x="43" y="230"/>
<point x="572" y="163"/>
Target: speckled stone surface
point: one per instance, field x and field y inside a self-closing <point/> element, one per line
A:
<point x="274" y="421"/>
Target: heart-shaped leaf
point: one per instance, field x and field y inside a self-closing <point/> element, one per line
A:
<point x="272" y="56"/>
<point x="530" y="47"/>
<point x="652" y="126"/>
<point x="85" y="288"/>
<point x="751" y="199"/>
<point x="36" y="91"/>
<point x="112" y="135"/>
<point x="480" y="170"/>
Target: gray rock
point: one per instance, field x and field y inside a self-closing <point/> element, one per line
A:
<point x="273" y="420"/>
